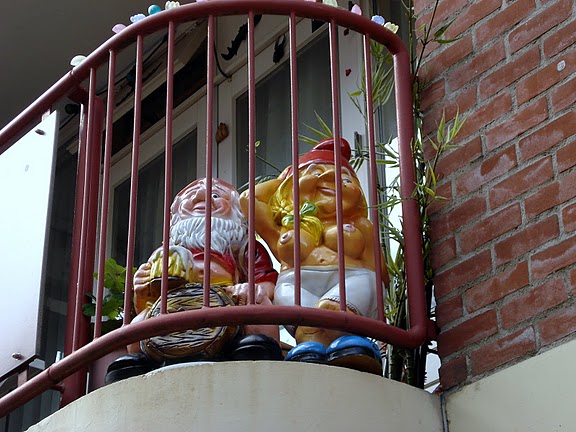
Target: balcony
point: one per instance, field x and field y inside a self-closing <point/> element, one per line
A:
<point x="98" y="134"/>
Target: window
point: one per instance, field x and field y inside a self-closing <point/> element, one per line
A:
<point x="273" y="110"/>
<point x="150" y="202"/>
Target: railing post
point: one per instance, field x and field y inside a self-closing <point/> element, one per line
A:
<point x="85" y="217"/>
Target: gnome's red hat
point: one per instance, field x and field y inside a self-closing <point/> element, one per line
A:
<point x="323" y="153"/>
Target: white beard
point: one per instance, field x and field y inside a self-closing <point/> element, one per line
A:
<point x="227" y="235"/>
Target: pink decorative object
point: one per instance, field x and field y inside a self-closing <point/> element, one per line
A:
<point x="118" y="28"/>
<point x="356" y="10"/>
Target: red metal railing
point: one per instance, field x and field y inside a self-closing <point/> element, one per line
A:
<point x="79" y="353"/>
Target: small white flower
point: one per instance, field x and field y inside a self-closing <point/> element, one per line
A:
<point x="171" y="4"/>
<point x="137" y="17"/>
<point x="391" y="26"/>
<point x="76" y="60"/>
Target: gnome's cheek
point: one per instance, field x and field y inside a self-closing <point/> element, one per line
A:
<point x="308" y="184"/>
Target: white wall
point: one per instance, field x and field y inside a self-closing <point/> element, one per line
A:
<point x="536" y="395"/>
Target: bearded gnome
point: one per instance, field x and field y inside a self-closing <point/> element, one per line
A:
<point x="228" y="280"/>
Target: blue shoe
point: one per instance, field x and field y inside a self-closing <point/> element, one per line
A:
<point x="355" y="352"/>
<point x="307" y="352"/>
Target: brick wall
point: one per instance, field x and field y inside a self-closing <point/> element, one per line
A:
<point x="505" y="238"/>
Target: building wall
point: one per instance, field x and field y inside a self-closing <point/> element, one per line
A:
<point x="505" y="238"/>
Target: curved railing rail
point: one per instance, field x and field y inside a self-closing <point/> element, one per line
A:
<point x="86" y="244"/>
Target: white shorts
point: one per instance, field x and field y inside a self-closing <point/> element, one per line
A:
<point x="322" y="283"/>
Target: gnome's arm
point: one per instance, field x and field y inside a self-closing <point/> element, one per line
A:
<point x="266" y="226"/>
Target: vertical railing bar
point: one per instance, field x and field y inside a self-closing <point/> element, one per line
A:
<point x="209" y="157"/>
<point x="71" y="326"/>
<point x="85" y="204"/>
<point x="167" y="167"/>
<point x="373" y="204"/>
<point x="251" y="157"/>
<point x="410" y="212"/>
<point x="295" y="150"/>
<point x="77" y="232"/>
<point x="105" y="193"/>
<point x="134" y="175"/>
<point x="337" y="159"/>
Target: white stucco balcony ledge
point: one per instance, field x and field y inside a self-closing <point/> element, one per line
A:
<point x="251" y="396"/>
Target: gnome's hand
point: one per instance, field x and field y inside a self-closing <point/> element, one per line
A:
<point x="180" y="263"/>
<point x="239" y="293"/>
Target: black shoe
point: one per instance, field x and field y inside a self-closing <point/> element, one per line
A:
<point x="127" y="366"/>
<point x="256" y="347"/>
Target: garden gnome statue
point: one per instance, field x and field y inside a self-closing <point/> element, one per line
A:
<point x="319" y="252"/>
<point x="228" y="279"/>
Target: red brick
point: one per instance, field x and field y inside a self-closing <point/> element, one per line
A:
<point x="511" y="71"/>
<point x="489" y="169"/>
<point x="557" y="326"/>
<point x="504" y="20"/>
<point x="503" y="350"/>
<point x="526" y="240"/>
<point x="526" y="118"/>
<point x="453" y="373"/>
<point x="436" y="65"/>
<point x="475" y="65"/>
<point x="432" y="94"/>
<point x="564" y="96"/>
<point x="535" y="27"/>
<point x="467" y="333"/>
<point x="573" y="280"/>
<point x="457" y="217"/>
<point x="443" y="197"/>
<point x="520" y="182"/>
<point x="548" y="136"/>
<point x="447" y="9"/>
<point x="551" y="195"/>
<point x="443" y="252"/>
<point x="533" y="302"/>
<point x="560" y="39"/>
<point x="459" y="157"/>
<point x="490" y="227"/>
<point x="569" y="217"/>
<point x="460" y="102"/>
<point x="486" y="114"/>
<point x="448" y="311"/>
<point x="462" y="274"/>
<point x="540" y="81"/>
<point x="421" y="5"/>
<point x="497" y="287"/>
<point x="469" y="16"/>
<point x="554" y="258"/>
<point x="566" y="156"/>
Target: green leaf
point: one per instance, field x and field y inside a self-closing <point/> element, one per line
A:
<point x="89" y="309"/>
<point x="308" y="208"/>
<point x="440" y="32"/>
<point x="327" y="131"/>
<point x="288" y="220"/>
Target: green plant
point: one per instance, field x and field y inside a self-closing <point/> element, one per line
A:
<point x="113" y="301"/>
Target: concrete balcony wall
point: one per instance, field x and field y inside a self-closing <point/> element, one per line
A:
<point x="251" y="396"/>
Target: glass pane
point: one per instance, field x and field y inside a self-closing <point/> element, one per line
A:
<point x="150" y="201"/>
<point x="273" y="110"/>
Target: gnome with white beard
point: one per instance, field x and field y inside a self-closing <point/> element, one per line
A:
<point x="228" y="280"/>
